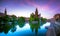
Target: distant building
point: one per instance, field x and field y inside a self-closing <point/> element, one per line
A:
<point x="57" y="17"/>
<point x="35" y="17"/>
<point x="3" y="14"/>
<point x="5" y="11"/>
<point x="36" y="14"/>
<point x="26" y="19"/>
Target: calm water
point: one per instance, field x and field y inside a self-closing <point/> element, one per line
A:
<point x="27" y="30"/>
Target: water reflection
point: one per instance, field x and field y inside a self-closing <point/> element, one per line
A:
<point x="34" y="27"/>
<point x="5" y="28"/>
<point x="47" y="24"/>
<point x="11" y="26"/>
<point x="13" y="29"/>
<point x="27" y="29"/>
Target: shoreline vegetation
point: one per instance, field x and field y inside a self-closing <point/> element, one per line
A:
<point x="8" y="22"/>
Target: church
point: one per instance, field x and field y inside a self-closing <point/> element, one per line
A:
<point x="35" y="17"/>
<point x="3" y="14"/>
<point x="36" y="14"/>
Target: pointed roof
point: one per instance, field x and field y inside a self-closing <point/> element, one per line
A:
<point x="36" y="10"/>
<point x="5" y="11"/>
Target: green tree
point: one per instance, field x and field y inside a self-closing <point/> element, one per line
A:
<point x="34" y="18"/>
<point x="21" y="21"/>
<point x="13" y="19"/>
<point x="43" y="20"/>
<point x="5" y="19"/>
<point x="31" y="17"/>
<point x="5" y="27"/>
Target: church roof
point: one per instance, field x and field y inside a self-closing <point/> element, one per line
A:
<point x="2" y="14"/>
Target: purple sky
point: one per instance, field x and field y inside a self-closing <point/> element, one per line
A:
<point x="47" y="8"/>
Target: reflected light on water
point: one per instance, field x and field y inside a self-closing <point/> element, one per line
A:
<point x="26" y="30"/>
<point x="26" y="27"/>
<point x="45" y="25"/>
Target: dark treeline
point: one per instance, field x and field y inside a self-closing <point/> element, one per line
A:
<point x="10" y="22"/>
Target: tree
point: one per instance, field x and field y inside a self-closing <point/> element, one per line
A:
<point x="43" y="20"/>
<point x="5" y="19"/>
<point x="13" y="19"/>
<point x="31" y="17"/>
<point x="21" y="21"/>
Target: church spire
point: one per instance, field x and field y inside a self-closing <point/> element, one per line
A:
<point x="36" y="12"/>
<point x="5" y="11"/>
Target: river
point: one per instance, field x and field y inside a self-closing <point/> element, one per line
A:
<point x="27" y="30"/>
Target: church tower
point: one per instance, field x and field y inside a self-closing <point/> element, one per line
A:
<point x="36" y="12"/>
<point x="5" y="11"/>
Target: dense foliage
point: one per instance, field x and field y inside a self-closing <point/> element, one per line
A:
<point x="9" y="22"/>
<point x="21" y="21"/>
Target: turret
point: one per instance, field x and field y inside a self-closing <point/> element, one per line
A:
<point x="36" y="12"/>
<point x="5" y="11"/>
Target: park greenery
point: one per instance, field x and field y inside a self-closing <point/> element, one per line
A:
<point x="40" y="20"/>
<point x="35" y="26"/>
<point x="21" y="21"/>
<point x="9" y="23"/>
<point x="33" y="18"/>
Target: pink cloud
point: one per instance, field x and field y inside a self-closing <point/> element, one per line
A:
<point x="36" y="5"/>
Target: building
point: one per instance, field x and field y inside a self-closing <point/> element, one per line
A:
<point x="36" y="14"/>
<point x="35" y="17"/>
<point x="57" y="17"/>
<point x="26" y="19"/>
<point x="3" y="14"/>
<point x="5" y="11"/>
